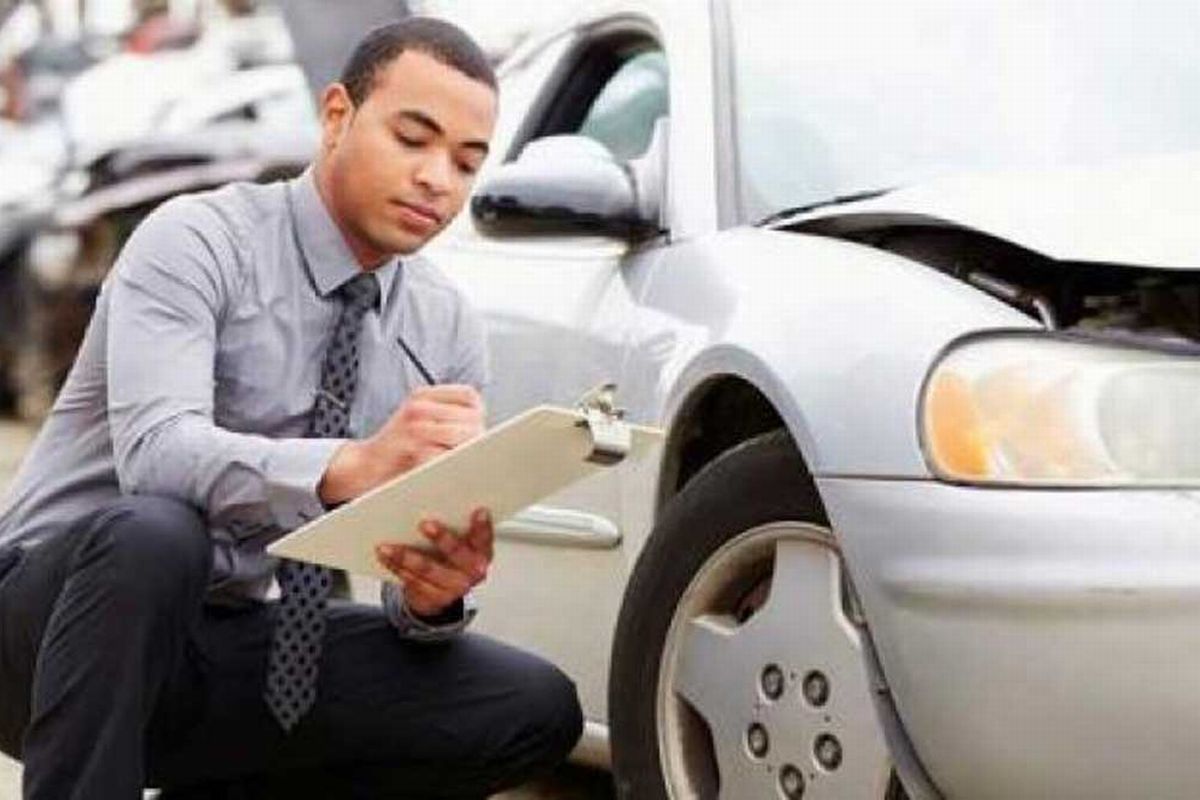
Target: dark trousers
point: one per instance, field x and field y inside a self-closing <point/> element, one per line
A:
<point x="114" y="675"/>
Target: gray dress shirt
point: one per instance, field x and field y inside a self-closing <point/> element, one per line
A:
<point x="199" y="369"/>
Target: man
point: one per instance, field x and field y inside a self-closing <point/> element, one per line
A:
<point x="245" y="369"/>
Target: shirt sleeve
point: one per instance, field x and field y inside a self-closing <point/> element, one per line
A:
<point x="452" y="621"/>
<point x="470" y="364"/>
<point x="166" y="296"/>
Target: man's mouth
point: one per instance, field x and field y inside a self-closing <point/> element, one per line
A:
<point x="420" y="214"/>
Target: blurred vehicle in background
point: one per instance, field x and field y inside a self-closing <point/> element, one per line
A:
<point x="161" y="31"/>
<point x="57" y="260"/>
<point x="19" y="31"/>
<point x="232" y="106"/>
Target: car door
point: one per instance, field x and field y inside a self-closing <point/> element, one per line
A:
<point x="559" y="310"/>
<point x="558" y="306"/>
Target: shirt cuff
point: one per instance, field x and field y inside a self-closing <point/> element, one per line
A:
<point x="294" y="469"/>
<point x="454" y="620"/>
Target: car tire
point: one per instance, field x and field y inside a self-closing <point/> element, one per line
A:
<point x="752" y="496"/>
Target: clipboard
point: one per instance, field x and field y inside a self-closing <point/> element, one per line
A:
<point x="512" y="466"/>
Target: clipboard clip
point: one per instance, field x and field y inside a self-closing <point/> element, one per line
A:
<point x="611" y="437"/>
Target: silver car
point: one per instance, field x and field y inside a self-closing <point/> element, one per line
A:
<point x="913" y="288"/>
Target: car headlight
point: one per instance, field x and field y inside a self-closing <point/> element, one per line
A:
<point x="1035" y="409"/>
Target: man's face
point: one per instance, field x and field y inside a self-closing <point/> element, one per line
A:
<point x="397" y="168"/>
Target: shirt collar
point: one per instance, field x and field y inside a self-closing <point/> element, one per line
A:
<point x="327" y="257"/>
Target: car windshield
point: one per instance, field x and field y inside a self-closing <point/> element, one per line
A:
<point x="846" y="96"/>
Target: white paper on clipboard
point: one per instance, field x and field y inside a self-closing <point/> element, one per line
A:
<point x="512" y="466"/>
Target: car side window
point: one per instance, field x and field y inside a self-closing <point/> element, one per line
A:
<point x="622" y="115"/>
<point x="612" y="90"/>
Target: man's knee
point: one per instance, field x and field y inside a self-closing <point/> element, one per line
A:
<point x="547" y="703"/>
<point x="560" y="709"/>
<point x="150" y="547"/>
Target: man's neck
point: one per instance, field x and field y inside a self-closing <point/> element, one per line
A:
<point x="368" y="257"/>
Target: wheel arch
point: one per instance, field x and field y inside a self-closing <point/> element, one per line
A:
<point x="725" y="396"/>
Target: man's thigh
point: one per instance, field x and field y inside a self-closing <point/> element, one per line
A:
<point x="31" y="579"/>
<point x="54" y="580"/>
<point x="16" y="654"/>
<point x="469" y="702"/>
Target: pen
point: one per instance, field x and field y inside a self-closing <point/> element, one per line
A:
<point x="429" y="379"/>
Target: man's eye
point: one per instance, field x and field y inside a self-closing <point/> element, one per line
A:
<point x="409" y="141"/>
<point x="467" y="168"/>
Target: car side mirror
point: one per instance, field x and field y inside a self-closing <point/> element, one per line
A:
<point x="562" y="184"/>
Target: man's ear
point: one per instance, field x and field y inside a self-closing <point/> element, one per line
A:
<point x="336" y="111"/>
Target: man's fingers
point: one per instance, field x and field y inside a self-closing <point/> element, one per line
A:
<point x="421" y="409"/>
<point x="406" y="560"/>
<point x="481" y="536"/>
<point x="423" y="454"/>
<point x="423" y="597"/>
<point x="450" y="393"/>
<point x="440" y="424"/>
<point x="420" y="594"/>
<point x="446" y="577"/>
<point x="432" y="420"/>
<point x="446" y="434"/>
<point x="456" y="551"/>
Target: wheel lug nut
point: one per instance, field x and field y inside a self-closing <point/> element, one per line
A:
<point x="772" y="682"/>
<point x="757" y="740"/>
<point x="816" y="688"/>
<point x="828" y="751"/>
<point x="791" y="781"/>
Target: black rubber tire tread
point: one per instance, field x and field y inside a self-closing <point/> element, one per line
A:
<point x="759" y="481"/>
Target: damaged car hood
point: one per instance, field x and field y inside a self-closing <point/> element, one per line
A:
<point x="1143" y="212"/>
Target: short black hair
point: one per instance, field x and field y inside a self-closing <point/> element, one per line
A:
<point x="437" y="38"/>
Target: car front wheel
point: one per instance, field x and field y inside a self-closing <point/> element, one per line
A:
<point x="738" y="671"/>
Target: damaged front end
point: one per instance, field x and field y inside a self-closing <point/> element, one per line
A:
<point x="1120" y="300"/>
<point x="1104" y="396"/>
<point x="1111" y="249"/>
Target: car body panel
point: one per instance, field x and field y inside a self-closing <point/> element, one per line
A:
<point x="1037" y="643"/>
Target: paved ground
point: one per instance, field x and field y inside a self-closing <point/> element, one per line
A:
<point x="568" y="784"/>
<point x="14" y="438"/>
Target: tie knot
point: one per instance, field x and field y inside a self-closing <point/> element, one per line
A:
<point x="360" y="292"/>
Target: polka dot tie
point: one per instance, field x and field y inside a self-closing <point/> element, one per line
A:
<point x="296" y="644"/>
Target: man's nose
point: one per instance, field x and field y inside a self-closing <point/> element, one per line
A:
<point x="435" y="174"/>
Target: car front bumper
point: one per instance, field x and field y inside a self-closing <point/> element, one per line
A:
<point x="1038" y="643"/>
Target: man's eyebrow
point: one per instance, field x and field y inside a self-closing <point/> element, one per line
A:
<point x="421" y="118"/>
<point x="426" y="121"/>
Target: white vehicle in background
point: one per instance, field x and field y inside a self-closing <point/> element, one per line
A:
<point x="231" y="107"/>
<point x="235" y="64"/>
<point x="913" y="287"/>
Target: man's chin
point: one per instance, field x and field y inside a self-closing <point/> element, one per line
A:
<point x="401" y="242"/>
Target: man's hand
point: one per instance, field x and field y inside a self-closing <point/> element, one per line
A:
<point x="431" y="421"/>
<point x="432" y="582"/>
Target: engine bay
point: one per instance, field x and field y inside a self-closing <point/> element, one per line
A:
<point x="1116" y="300"/>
